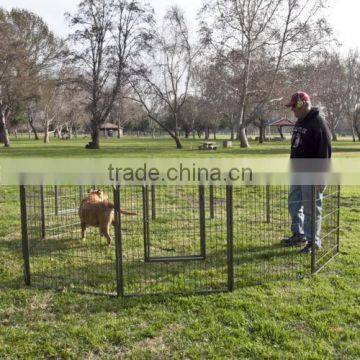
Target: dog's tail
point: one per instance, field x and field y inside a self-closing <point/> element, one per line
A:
<point x="122" y="211"/>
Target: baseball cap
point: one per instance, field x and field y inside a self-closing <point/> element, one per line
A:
<point x="299" y="96"/>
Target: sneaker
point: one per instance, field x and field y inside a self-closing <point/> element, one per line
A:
<point x="294" y="240"/>
<point x="308" y="249"/>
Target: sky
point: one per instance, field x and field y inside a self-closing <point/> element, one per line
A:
<point x="343" y="15"/>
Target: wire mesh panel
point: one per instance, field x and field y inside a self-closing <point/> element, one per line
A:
<point x="59" y="256"/>
<point x="168" y="253"/>
<point x="180" y="208"/>
<point x="10" y="233"/>
<point x="261" y="221"/>
<point x="9" y="214"/>
<point x="173" y="239"/>
<point x="330" y="217"/>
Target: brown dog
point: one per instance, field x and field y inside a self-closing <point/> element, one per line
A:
<point x="96" y="210"/>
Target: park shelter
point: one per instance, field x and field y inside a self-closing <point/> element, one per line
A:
<point x="109" y="128"/>
<point x="280" y="124"/>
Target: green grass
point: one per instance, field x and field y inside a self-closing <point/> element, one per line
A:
<point x="311" y="318"/>
<point x="162" y="147"/>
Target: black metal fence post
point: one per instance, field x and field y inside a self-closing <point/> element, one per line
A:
<point x="184" y="211"/>
<point x="212" y="212"/>
<point x="313" y="229"/>
<point x="202" y="220"/>
<point x="268" y="210"/>
<point x="118" y="243"/>
<point x="146" y="235"/>
<point x="42" y="208"/>
<point x="24" y="233"/>
<point x="56" y="200"/>
<point x="153" y="202"/>
<point x="230" y="237"/>
<point x="338" y="219"/>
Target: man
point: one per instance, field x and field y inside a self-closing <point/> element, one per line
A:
<point x="311" y="139"/>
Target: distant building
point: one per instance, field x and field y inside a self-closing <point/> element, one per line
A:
<point x="280" y="124"/>
<point x="108" y="129"/>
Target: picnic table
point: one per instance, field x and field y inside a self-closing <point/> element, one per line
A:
<point x="208" y="145"/>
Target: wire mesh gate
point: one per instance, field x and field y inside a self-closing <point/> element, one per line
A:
<point x="175" y="239"/>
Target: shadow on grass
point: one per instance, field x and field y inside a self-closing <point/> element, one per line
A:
<point x="98" y="274"/>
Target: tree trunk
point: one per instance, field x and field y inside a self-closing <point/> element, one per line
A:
<point x="207" y="134"/>
<point x="261" y="134"/>
<point x="281" y="133"/>
<point x="118" y="132"/>
<point x="70" y="132"/>
<point x="214" y="131"/>
<point x="357" y="131"/>
<point x="177" y="131"/>
<point x="47" y="134"/>
<point x="4" y="134"/>
<point x="2" y="137"/>
<point x="95" y="138"/>
<point x="353" y="133"/>
<point x="232" y="136"/>
<point x="334" y="136"/>
<point x="31" y="123"/>
<point x="58" y="133"/>
<point x="241" y="131"/>
<point x="178" y="143"/>
<point x="242" y="137"/>
<point x="173" y="136"/>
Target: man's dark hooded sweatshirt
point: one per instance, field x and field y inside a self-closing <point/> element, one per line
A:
<point x="311" y="137"/>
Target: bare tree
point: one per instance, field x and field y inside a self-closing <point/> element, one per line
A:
<point x="215" y="92"/>
<point x="124" y="111"/>
<point x="71" y="106"/>
<point x="48" y="106"/>
<point x="352" y="95"/>
<point x="189" y="115"/>
<point x="109" y="37"/>
<point x="248" y="28"/>
<point x="43" y="52"/>
<point x="31" y="116"/>
<point x="355" y="117"/>
<point x="29" y="52"/>
<point x="332" y="90"/>
<point x="166" y="83"/>
<point x="9" y="74"/>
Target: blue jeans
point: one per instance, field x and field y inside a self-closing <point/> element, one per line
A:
<point x="300" y="209"/>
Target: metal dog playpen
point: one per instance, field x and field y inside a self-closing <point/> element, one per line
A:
<point x="183" y="239"/>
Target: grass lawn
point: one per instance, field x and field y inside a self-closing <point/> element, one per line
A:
<point x="312" y="318"/>
<point x="162" y="147"/>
